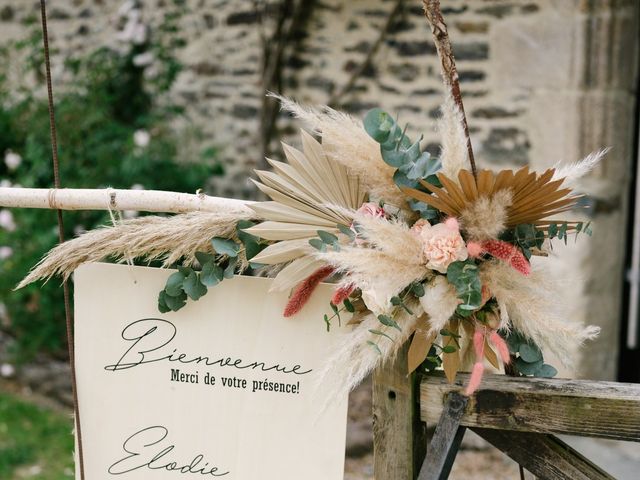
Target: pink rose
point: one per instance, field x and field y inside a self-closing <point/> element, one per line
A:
<point x="371" y="209"/>
<point x="442" y="244"/>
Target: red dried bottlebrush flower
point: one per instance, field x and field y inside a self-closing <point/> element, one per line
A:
<point x="501" y="346"/>
<point x="303" y="291"/>
<point x="478" y="367"/>
<point x="342" y="293"/>
<point x="508" y="253"/>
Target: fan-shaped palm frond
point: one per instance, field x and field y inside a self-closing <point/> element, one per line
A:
<point x="309" y="193"/>
<point x="535" y="197"/>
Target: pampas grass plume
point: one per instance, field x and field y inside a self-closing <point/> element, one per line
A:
<point x="150" y="238"/>
<point x="454" y="154"/>
<point x="345" y="140"/>
<point x="486" y="217"/>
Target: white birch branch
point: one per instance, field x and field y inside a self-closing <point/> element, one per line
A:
<point x="110" y="198"/>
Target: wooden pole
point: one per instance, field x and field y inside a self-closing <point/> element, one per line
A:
<point x="113" y="199"/>
<point x="448" y="65"/>
<point x="399" y="444"/>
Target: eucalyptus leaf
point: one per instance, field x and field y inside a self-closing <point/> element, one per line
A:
<point x="245" y="236"/>
<point x="327" y="237"/>
<point x="423" y="167"/>
<point x="374" y="346"/>
<point x="395" y="158"/>
<point x="252" y="248"/>
<point x="426" y="211"/>
<point x="378" y="332"/>
<point x="546" y="371"/>
<point x="389" y="322"/>
<point x="224" y="246"/>
<point x="530" y="353"/>
<point x="348" y="306"/>
<point x="231" y="268"/>
<point x="212" y="274"/>
<point x="193" y="287"/>
<point x="173" y="286"/>
<point x="465" y="277"/>
<point x="318" y="244"/>
<point x="401" y="180"/>
<point x="527" y="368"/>
<point x="418" y="289"/>
<point x="176" y="303"/>
<point x="204" y="258"/>
<point x="162" y="303"/>
<point x="378" y="123"/>
<point x="346" y="231"/>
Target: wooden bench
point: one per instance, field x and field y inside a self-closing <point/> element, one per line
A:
<point x="519" y="416"/>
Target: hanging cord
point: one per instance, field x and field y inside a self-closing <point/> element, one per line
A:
<point x="65" y="285"/>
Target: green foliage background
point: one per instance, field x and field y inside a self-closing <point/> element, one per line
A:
<point x="98" y="111"/>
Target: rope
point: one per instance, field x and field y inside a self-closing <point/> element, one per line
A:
<point x="65" y="285"/>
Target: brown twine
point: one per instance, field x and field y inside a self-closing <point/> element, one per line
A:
<point x="56" y="184"/>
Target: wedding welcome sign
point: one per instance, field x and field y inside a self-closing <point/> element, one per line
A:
<point x="226" y="387"/>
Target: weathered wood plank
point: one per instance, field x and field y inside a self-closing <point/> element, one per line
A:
<point x="445" y="443"/>
<point x="399" y="442"/>
<point x="544" y="455"/>
<point x="574" y="407"/>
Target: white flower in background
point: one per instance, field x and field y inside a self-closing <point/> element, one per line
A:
<point x="139" y="34"/>
<point x="141" y="138"/>
<point x="137" y="186"/>
<point x="12" y="160"/>
<point x="6" y="220"/>
<point x="7" y="370"/>
<point x="5" y="252"/>
<point x="134" y="30"/>
<point x="143" y="59"/>
<point x="5" y="183"/>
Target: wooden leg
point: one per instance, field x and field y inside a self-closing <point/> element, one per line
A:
<point x="544" y="455"/>
<point x="446" y="440"/>
<point x="399" y="434"/>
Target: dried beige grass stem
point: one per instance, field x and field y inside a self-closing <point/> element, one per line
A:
<point x="149" y="238"/>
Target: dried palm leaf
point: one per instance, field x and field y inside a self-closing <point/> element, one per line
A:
<point x="534" y="197"/>
<point x="311" y="192"/>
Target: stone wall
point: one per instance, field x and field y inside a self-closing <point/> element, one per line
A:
<point x="543" y="81"/>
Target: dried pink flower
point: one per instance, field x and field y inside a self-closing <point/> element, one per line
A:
<point x="509" y="253"/>
<point x="342" y="293"/>
<point x="372" y="209"/>
<point x="442" y="244"/>
<point x="303" y="291"/>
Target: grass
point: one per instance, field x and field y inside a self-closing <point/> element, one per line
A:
<point x="34" y="442"/>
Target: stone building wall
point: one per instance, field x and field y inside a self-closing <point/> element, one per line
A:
<point x="543" y="81"/>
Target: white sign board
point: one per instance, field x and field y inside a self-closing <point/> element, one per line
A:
<point x="225" y="387"/>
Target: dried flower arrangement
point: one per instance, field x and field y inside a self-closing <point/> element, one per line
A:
<point x="419" y="248"/>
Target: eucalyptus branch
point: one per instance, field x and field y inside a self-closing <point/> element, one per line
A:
<point x="448" y="65"/>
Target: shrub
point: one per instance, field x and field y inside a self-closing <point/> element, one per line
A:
<point x="114" y="129"/>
